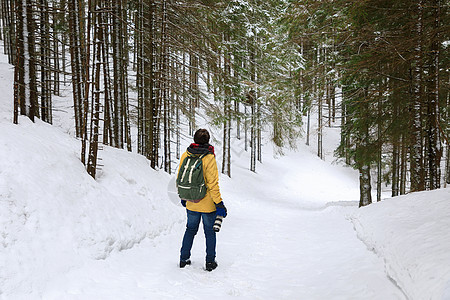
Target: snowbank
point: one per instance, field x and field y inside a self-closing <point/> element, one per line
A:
<point x="54" y="216"/>
<point x="411" y="234"/>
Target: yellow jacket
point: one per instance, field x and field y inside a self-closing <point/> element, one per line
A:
<point x="211" y="174"/>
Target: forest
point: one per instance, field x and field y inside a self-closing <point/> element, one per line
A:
<point x="142" y="70"/>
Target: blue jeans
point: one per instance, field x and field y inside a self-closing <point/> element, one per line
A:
<point x="193" y="222"/>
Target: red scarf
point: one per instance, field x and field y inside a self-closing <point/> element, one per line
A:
<point x="201" y="149"/>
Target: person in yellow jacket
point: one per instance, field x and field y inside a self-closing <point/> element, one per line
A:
<point x="207" y="208"/>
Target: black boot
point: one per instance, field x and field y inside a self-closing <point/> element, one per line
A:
<point x="211" y="266"/>
<point x="184" y="263"/>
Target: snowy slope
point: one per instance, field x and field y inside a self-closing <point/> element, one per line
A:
<point x="411" y="234"/>
<point x="54" y="216"/>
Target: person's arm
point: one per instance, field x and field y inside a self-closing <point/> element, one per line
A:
<point x="212" y="178"/>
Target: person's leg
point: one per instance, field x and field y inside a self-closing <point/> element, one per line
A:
<point x="210" y="235"/>
<point x="193" y="221"/>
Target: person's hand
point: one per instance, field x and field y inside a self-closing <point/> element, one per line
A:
<point x="221" y="210"/>
<point x="183" y="202"/>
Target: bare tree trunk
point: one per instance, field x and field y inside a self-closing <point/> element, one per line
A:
<point x="226" y="162"/>
<point x="320" y="128"/>
<point x="226" y="159"/>
<point x="99" y="54"/>
<point x="395" y="170"/>
<point x="380" y="144"/>
<point x="447" y="118"/>
<point x="108" y="101"/>
<point x="308" y="126"/>
<point x="362" y="163"/>
<point x="345" y="137"/>
<point x="245" y="129"/>
<point x="150" y="99"/>
<point x="46" y="94"/>
<point x="259" y="135"/>
<point x="164" y="81"/>
<point x="447" y="167"/>
<point x="9" y="29"/>
<point x="118" y="70"/>
<point x="364" y="186"/>
<point x="30" y="74"/>
<point x="139" y="53"/>
<point x="416" y="164"/>
<point x="253" y="118"/>
<point x="433" y="137"/>
<point x="63" y="8"/>
<point x="125" y="63"/>
<point x="77" y="63"/>
<point x="193" y="90"/>
<point x="56" y="42"/>
<point x="177" y="124"/>
<point x="318" y="88"/>
<point x="333" y="102"/>
<point x="25" y="96"/>
<point x="396" y="146"/>
<point x="403" y="165"/>
<point x="2" y="18"/>
<point x="253" y="137"/>
<point x="19" y="64"/>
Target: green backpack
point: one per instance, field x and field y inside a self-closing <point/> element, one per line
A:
<point x="190" y="181"/>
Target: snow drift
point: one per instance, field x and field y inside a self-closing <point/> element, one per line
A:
<point x="411" y="234"/>
<point x="53" y="215"/>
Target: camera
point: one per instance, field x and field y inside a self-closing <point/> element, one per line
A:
<point x="218" y="223"/>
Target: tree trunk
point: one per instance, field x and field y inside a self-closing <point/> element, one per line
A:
<point x="46" y="94"/>
<point x="447" y="166"/>
<point x="403" y="165"/>
<point x="319" y="128"/>
<point x="139" y="65"/>
<point x="164" y="81"/>
<point x="318" y="87"/>
<point x="379" y="143"/>
<point x="433" y="137"/>
<point x="362" y="147"/>
<point x="99" y="56"/>
<point x="308" y="126"/>
<point x="226" y="161"/>
<point x="57" y="38"/>
<point x="364" y="186"/>
<point x="395" y="170"/>
<point x="19" y="64"/>
<point x="118" y="71"/>
<point x="77" y="65"/>
<point x="8" y="7"/>
<point x="416" y="158"/>
<point x="25" y="96"/>
<point x="193" y="90"/>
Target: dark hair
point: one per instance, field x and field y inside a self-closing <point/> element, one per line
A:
<point x="201" y="136"/>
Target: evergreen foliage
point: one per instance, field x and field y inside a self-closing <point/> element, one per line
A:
<point x="390" y="58"/>
<point x="378" y="69"/>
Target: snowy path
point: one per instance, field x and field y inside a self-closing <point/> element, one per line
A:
<point x="264" y="252"/>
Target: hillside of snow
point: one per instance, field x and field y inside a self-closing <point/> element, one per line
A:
<point x="293" y="231"/>
<point x="411" y="233"/>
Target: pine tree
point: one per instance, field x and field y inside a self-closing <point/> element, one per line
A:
<point x="378" y="54"/>
<point x="25" y="84"/>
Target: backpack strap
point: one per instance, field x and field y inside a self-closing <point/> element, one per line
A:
<point x="186" y="166"/>
<point x="192" y="167"/>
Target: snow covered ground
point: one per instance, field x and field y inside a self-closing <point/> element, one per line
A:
<point x="411" y="233"/>
<point x="293" y="231"/>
